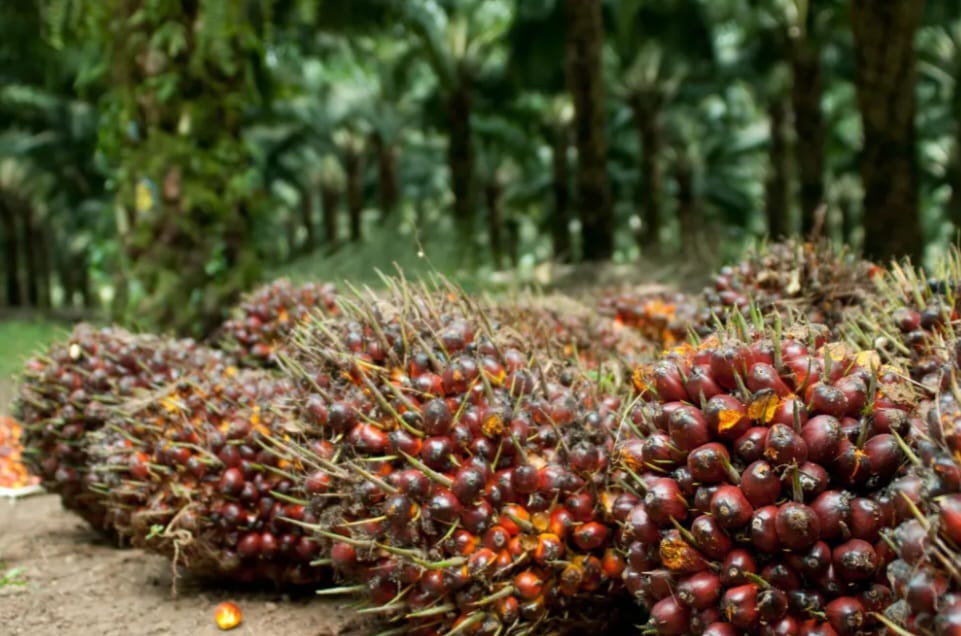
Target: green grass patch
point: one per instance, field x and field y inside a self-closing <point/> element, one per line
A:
<point x="19" y="338"/>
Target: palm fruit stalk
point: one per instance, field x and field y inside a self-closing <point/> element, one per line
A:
<point x="756" y="462"/>
<point x="186" y="472"/>
<point x="815" y="280"/>
<point x="911" y="320"/>
<point x="266" y="317"/>
<point x="469" y="472"/>
<point x="664" y="317"/>
<point x="69" y="391"/>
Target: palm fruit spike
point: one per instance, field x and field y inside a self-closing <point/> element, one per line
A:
<point x="471" y="476"/>
<point x="755" y="463"/>
<point x="926" y="576"/>
<point x="186" y="473"/>
<point x="266" y="317"/>
<point x="815" y="278"/>
<point x="568" y="328"/>
<point x="912" y="318"/>
<point x="662" y="316"/>
<point x="68" y="392"/>
<point x="13" y="474"/>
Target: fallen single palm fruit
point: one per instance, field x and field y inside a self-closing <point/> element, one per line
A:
<point x="227" y="615"/>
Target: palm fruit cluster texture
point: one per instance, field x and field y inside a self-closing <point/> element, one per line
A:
<point x="13" y="474"/>
<point x="814" y="279"/>
<point x="664" y="317"/>
<point x="68" y="392"/>
<point x="759" y="468"/>
<point x="186" y="472"/>
<point x="266" y="317"/>
<point x="469" y="474"/>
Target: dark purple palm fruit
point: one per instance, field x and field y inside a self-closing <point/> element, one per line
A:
<point x="72" y="389"/>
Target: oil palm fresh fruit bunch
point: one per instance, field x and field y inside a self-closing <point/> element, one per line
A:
<point x="69" y="391"/>
<point x="757" y="462"/>
<point x="266" y="317"/>
<point x="13" y="474"/>
<point x="467" y="493"/>
<point x="664" y="317"/>
<point x="187" y="472"/>
<point x="815" y="280"/>
<point x="911" y="320"/>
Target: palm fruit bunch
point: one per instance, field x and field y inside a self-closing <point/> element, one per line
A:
<point x="815" y="280"/>
<point x="461" y="477"/>
<point x="13" y="474"/>
<point x="662" y="316"/>
<point x="267" y="316"/>
<point x="758" y="461"/>
<point x="570" y="329"/>
<point x="69" y="391"/>
<point x="912" y="318"/>
<point x="186" y="472"/>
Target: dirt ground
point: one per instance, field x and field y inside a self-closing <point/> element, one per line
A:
<point x="77" y="584"/>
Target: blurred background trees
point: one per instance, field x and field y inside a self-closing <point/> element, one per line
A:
<point x="158" y="156"/>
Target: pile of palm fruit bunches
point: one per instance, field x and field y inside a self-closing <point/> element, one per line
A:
<point x="792" y="465"/>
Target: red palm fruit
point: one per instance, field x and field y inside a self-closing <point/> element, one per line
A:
<point x="852" y="465"/>
<point x="822" y="434"/>
<point x="560" y="522"/>
<point x="813" y="627"/>
<point x="784" y="447"/>
<point x="469" y="482"/>
<point x="885" y="457"/>
<point x="772" y="604"/>
<point x="949" y="517"/>
<point x="591" y="536"/>
<point x="730" y="360"/>
<point x="437" y="417"/>
<point x="730" y="507"/>
<point x="797" y="526"/>
<point x="659" y="453"/>
<point x="803" y="371"/>
<point x="924" y="590"/>
<point x="685" y="480"/>
<point x="845" y="615"/>
<point x="664" y="502"/>
<point x="528" y="585"/>
<point x="524" y="479"/>
<point x="709" y="463"/>
<point x="760" y="483"/>
<point x="813" y="479"/>
<point x="948" y="620"/>
<point x="640" y="527"/>
<point x="736" y="565"/>
<point x="946" y="475"/>
<point x="720" y="629"/>
<point x="833" y="509"/>
<point x="402" y="441"/>
<point x="739" y="606"/>
<point x="889" y="420"/>
<point x="231" y="482"/>
<point x="791" y="412"/>
<point x="805" y="601"/>
<point x="781" y="576"/>
<point x="828" y="399"/>
<point x="764" y="377"/>
<point x="703" y="496"/>
<point x="812" y="562"/>
<point x="613" y="564"/>
<point x="442" y="505"/>
<point x="669" y="617"/>
<point x="876" y="598"/>
<point x="668" y="382"/>
<point x="710" y="538"/>
<point x="784" y="626"/>
<point x="864" y="522"/>
<point x="763" y="531"/>
<point x="750" y="445"/>
<point x="679" y="556"/>
<point x="855" y="391"/>
<point x="913" y="541"/>
<point x="688" y="429"/>
<point x="855" y="560"/>
<point x="657" y="584"/>
<point x="700" y="385"/>
<point x="726" y="417"/>
<point x="700" y="590"/>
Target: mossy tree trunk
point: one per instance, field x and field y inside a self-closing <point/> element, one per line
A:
<point x="561" y="189"/>
<point x="585" y="43"/>
<point x="776" y="188"/>
<point x="806" y="92"/>
<point x="884" y="33"/>
<point x="460" y="156"/>
<point x="646" y="110"/>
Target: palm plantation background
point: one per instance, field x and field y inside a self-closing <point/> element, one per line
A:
<point x="157" y="157"/>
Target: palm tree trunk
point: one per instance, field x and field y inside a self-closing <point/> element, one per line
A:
<point x="806" y="92"/>
<point x="31" y="268"/>
<point x="585" y="42"/>
<point x="386" y="175"/>
<point x="307" y="218"/>
<point x="354" y="167"/>
<point x="687" y="206"/>
<point x="11" y="251"/>
<point x="41" y="244"/>
<point x="646" y="115"/>
<point x="846" y="206"/>
<point x="330" y="199"/>
<point x="884" y="47"/>
<point x="776" y="200"/>
<point x="560" y="185"/>
<point x="954" y="168"/>
<point x="495" y="219"/>
<point x="90" y="299"/>
<point x="460" y="156"/>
